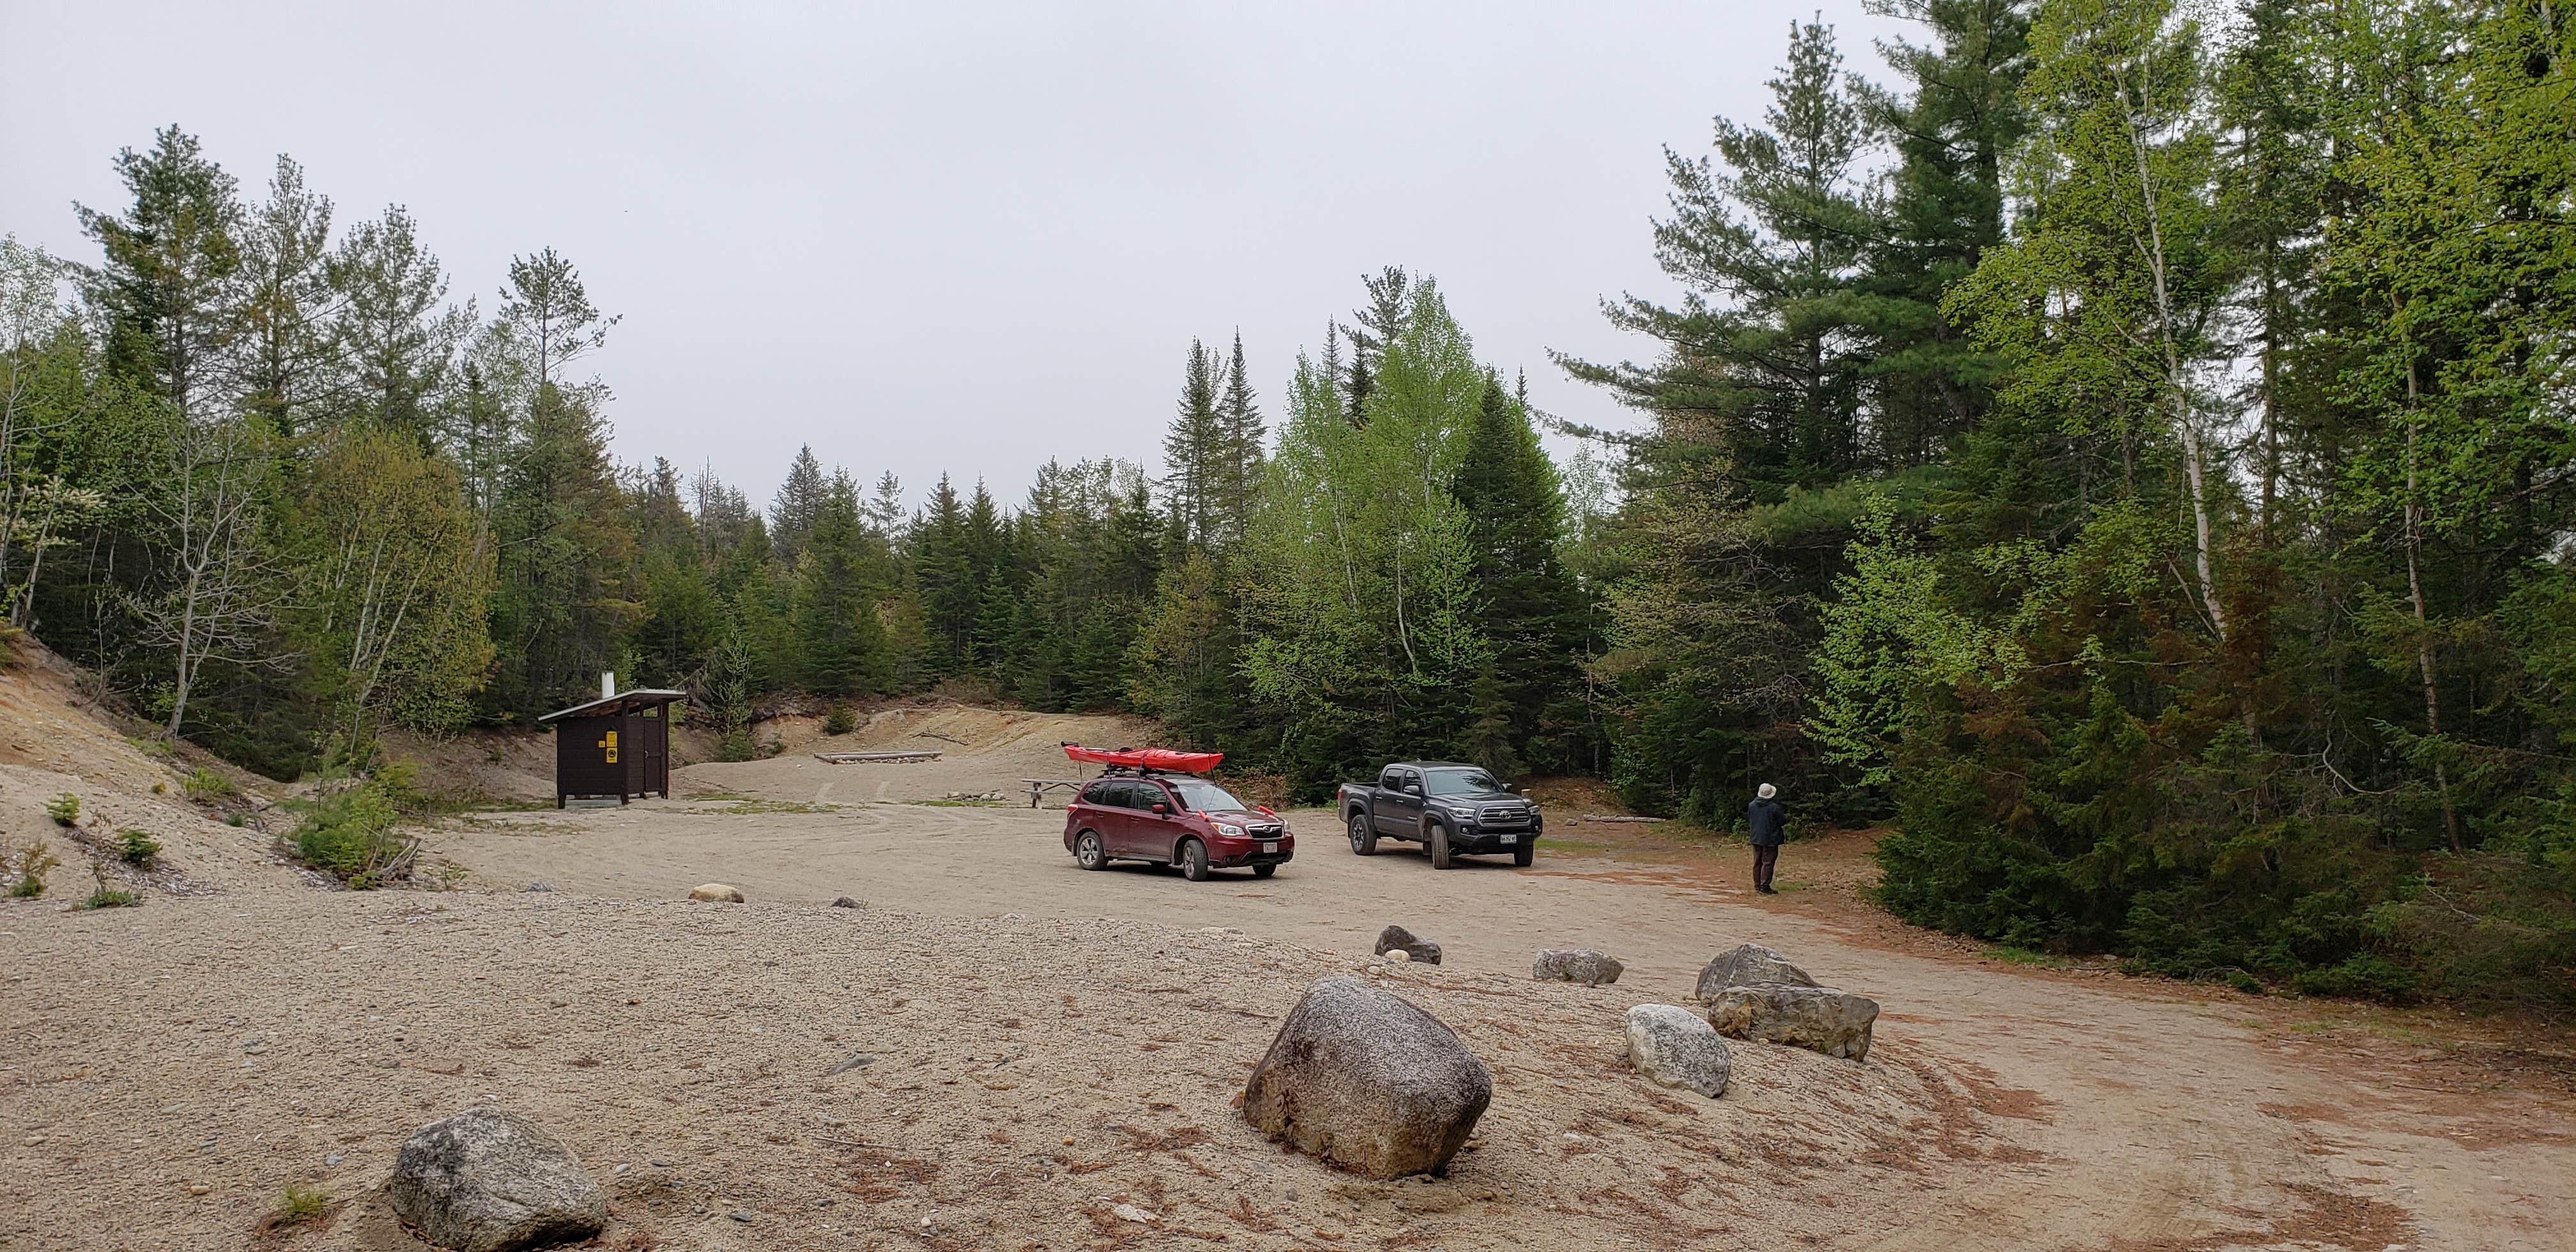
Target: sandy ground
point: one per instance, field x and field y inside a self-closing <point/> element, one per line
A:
<point x="1044" y="1044"/>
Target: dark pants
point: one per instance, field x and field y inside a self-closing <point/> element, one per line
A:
<point x="1765" y="860"/>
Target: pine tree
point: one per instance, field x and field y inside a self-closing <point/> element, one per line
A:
<point x="1375" y="325"/>
<point x="1242" y="437"/>
<point x="287" y="359"/>
<point x="398" y="342"/>
<point x="1954" y="129"/>
<point x="166" y="289"/>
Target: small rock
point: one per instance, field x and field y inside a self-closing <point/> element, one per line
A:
<point x="1747" y="965"/>
<point x="198" y="1188"/>
<point x="1396" y="939"/>
<point x="845" y="902"/>
<point x="716" y="891"/>
<point x="739" y="1216"/>
<point x="333" y="1159"/>
<point x="1398" y="957"/>
<point x="1583" y="965"/>
<point x="487" y="1180"/>
<point x="541" y="886"/>
<point x="1131" y="1213"/>
<point x="854" y="1062"/>
<point x="1369" y="1082"/>
<point x="1835" y="1023"/>
<point x="1673" y="1047"/>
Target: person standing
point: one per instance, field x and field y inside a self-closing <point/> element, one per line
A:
<point x="1768" y="823"/>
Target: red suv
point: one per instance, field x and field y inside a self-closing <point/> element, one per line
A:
<point x="1173" y="819"/>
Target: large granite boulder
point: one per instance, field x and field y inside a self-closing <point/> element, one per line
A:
<point x="1583" y="965"/>
<point x="1835" y="1023"/>
<point x="1413" y="946"/>
<point x="1672" y="1046"/>
<point x="1369" y="1082"/>
<point x="487" y="1180"/>
<point x="1748" y="964"/>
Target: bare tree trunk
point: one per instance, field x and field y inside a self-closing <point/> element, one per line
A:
<point x="2177" y="382"/>
<point x="2423" y="629"/>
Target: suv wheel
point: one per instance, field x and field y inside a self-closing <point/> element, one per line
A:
<point x="1087" y="851"/>
<point x="1193" y="859"/>
<point x="1264" y="871"/>
<point x="1363" y="834"/>
<point x="1439" y="841"/>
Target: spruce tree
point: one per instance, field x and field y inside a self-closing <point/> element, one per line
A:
<point x="799" y="502"/>
<point x="838" y="589"/>
<point x="1194" y="450"/>
<point x="1530" y="609"/>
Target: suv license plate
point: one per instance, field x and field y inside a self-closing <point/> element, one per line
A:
<point x="1511" y="839"/>
<point x="1271" y="846"/>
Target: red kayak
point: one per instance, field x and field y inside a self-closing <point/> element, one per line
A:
<point x="1145" y="758"/>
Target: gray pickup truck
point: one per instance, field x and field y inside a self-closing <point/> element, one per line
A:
<point x="1451" y="809"/>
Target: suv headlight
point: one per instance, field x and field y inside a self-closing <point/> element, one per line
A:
<point x="1229" y="830"/>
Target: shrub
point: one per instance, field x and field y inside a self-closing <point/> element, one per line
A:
<point x="64" y="809"/>
<point x="136" y="847"/>
<point x="839" y="720"/>
<point x="29" y="868"/>
<point x="350" y="835"/>
<point x="107" y="897"/>
<point x="205" y="786"/>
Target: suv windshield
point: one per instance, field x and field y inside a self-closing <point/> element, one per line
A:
<point x="1457" y="782"/>
<point x="1205" y="796"/>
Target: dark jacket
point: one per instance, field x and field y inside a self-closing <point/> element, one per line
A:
<point x="1768" y="823"/>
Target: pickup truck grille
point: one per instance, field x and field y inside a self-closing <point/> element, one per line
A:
<point x="1507" y="816"/>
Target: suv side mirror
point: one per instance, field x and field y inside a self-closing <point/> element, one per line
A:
<point x="1162" y="810"/>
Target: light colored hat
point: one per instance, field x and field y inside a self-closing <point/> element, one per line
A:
<point x="1766" y="791"/>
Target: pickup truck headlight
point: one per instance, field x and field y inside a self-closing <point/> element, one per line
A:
<point x="1229" y="830"/>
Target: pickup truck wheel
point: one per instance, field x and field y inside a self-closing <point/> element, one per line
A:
<point x="1525" y="852"/>
<point x="1363" y="835"/>
<point x="1193" y="859"/>
<point x="1439" y="841"/>
<point x="1264" y="871"/>
<point x="1088" y="853"/>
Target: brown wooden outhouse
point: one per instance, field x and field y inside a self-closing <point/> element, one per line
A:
<point x="617" y="745"/>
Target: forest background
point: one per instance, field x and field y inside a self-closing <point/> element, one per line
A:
<point x="2127" y="451"/>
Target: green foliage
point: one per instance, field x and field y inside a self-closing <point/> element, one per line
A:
<point x="107" y="897"/>
<point x="350" y="833"/>
<point x="64" y="809"/>
<point x="205" y="786"/>
<point x="26" y="869"/>
<point x="137" y="847"/>
<point x="839" y="720"/>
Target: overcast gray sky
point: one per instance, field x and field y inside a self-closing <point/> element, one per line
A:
<point x="940" y="236"/>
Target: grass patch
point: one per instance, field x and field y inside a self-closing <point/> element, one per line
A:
<point x="205" y="786"/>
<point x="64" y="809"/>
<point x="297" y="1205"/>
<point x="2010" y="955"/>
<point x="151" y="746"/>
<point x="777" y="806"/>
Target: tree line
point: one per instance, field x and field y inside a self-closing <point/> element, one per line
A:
<point x="2127" y="450"/>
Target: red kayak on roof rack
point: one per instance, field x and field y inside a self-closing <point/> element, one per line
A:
<point x="1145" y="758"/>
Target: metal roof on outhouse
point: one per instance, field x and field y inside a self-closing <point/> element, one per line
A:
<point x="622" y="702"/>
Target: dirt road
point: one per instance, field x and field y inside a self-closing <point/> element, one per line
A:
<point x="2136" y="1115"/>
